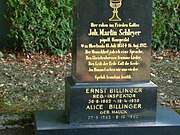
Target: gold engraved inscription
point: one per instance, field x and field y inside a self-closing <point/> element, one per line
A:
<point x="115" y="4"/>
<point x="115" y="56"/>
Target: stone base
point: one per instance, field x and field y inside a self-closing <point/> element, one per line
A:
<point x="53" y="122"/>
<point x="101" y="103"/>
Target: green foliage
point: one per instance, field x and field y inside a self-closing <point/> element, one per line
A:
<point x="47" y="24"/>
<point x="40" y="24"/>
<point x="166" y="28"/>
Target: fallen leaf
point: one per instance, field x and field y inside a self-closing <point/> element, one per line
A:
<point x="153" y="75"/>
<point x="1" y="85"/>
<point x="51" y="72"/>
<point x="175" y="103"/>
<point x="169" y="81"/>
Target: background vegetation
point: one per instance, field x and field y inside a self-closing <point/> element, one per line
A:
<point x="47" y="24"/>
<point x="40" y="24"/>
<point x="166" y="28"/>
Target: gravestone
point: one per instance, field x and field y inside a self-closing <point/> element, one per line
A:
<point x="110" y="91"/>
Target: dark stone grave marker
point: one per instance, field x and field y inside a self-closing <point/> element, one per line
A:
<point x="112" y="51"/>
<point x="110" y="91"/>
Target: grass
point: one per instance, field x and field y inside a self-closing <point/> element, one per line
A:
<point x="36" y="82"/>
<point x="166" y="74"/>
<point x="31" y="84"/>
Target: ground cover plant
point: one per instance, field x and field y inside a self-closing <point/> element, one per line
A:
<point x="31" y="82"/>
<point x="165" y="72"/>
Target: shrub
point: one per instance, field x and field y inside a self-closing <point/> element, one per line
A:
<point x="40" y="24"/>
<point x="165" y="24"/>
<point x="47" y="24"/>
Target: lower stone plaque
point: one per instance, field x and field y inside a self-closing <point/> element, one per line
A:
<point x="106" y="102"/>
